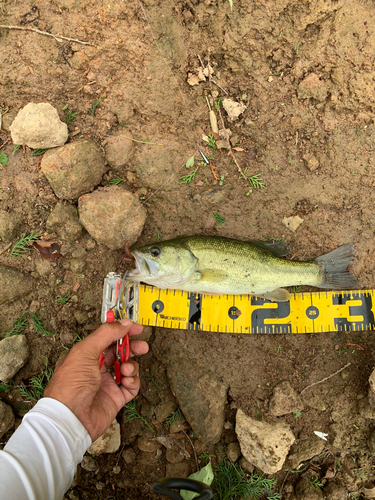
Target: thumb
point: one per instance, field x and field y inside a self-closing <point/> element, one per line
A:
<point x="105" y="335"/>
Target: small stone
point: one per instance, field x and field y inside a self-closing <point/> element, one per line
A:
<point x="7" y="419"/>
<point x="7" y="120"/>
<point x="312" y="87"/>
<point x="39" y="126"/>
<point x="81" y="317"/>
<point x="174" y="456"/>
<point x="89" y="463"/>
<point x="77" y="265"/>
<point x="270" y="79"/>
<point x="228" y="425"/>
<point x="246" y="465"/>
<point x="105" y="213"/>
<point x="165" y="409"/>
<point x="109" y="442"/>
<point x="124" y="110"/>
<point x="311" y="162"/>
<point x="9" y="223"/>
<point x="371" y="443"/>
<point x="64" y="222"/>
<point x="371" y="392"/>
<point x="304" y="491"/>
<point x="73" y="169"/>
<point x="118" y="151"/>
<point x="79" y="253"/>
<point x="292" y="223"/>
<point x="284" y="400"/>
<point x="180" y="469"/>
<point x="43" y="267"/>
<point x="147" y="445"/>
<point x="100" y="486"/>
<point x="365" y="409"/>
<point x="116" y="469"/>
<point x="66" y="336"/>
<point x="129" y="455"/>
<point x="264" y="445"/>
<point x="13" y="284"/>
<point x="306" y="449"/>
<point x="14" y="352"/>
<point x="90" y="244"/>
<point x="193" y="79"/>
<point x="334" y="491"/>
<point x="233" y="451"/>
<point x="222" y="144"/>
<point x="233" y="108"/>
<point x="336" y="436"/>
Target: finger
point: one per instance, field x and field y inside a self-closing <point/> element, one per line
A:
<point x="130" y="387"/>
<point x="129" y="369"/>
<point x="107" y="334"/>
<point x="138" y="348"/>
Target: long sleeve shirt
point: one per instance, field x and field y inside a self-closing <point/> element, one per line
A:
<point x="40" y="459"/>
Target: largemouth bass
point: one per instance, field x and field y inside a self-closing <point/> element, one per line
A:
<point x="216" y="265"/>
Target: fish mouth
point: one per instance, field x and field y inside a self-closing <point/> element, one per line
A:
<point x="145" y="268"/>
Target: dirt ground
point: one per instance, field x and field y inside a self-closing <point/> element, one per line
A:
<point x="311" y="139"/>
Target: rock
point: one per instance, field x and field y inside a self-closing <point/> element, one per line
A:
<point x="13" y="284"/>
<point x="112" y="216"/>
<point x="233" y="451"/>
<point x="43" y="267"/>
<point x="116" y="469"/>
<point x="39" y="126"/>
<point x="77" y="265"/>
<point x="181" y="469"/>
<point x="311" y="162"/>
<point x="371" y="380"/>
<point x="313" y="87"/>
<point x="365" y="409"/>
<point x="306" y="449"/>
<point x="66" y="336"/>
<point x="9" y="223"/>
<point x="118" y="151"/>
<point x="165" y="409"/>
<point x="7" y="120"/>
<point x="233" y="108"/>
<point x="74" y="169"/>
<point x="148" y="445"/>
<point x="293" y="222"/>
<point x="64" y="222"/>
<point x="371" y="443"/>
<point x="81" y="317"/>
<point x="7" y="419"/>
<point x="246" y="465"/>
<point x="89" y="463"/>
<point x="14" y="352"/>
<point x="284" y="400"/>
<point x="304" y="491"/>
<point x="109" y="442"/>
<point x="314" y="402"/>
<point x="264" y="445"/>
<point x="124" y="110"/>
<point x="222" y="144"/>
<point x="200" y="393"/>
<point x="336" y="436"/>
<point x="174" y="456"/>
<point x="334" y="491"/>
<point x="129" y="455"/>
<point x="193" y="79"/>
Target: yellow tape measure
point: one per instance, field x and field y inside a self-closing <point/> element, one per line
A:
<point x="349" y="310"/>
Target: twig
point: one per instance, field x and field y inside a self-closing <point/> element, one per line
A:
<point x="5" y="248"/>
<point x="56" y="37"/>
<point x="142" y="142"/>
<point x="195" y="455"/>
<point x="230" y="147"/>
<point x="282" y="486"/>
<point x="199" y="57"/>
<point x="326" y="378"/>
<point x="220" y="87"/>
<point x="5" y="143"/>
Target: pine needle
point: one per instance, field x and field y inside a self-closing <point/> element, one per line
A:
<point x="132" y="414"/>
<point x="38" y="324"/>
<point x="23" y="244"/>
<point x="19" y="327"/>
<point x="177" y="416"/>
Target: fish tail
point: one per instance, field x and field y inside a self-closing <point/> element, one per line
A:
<point x="335" y="268"/>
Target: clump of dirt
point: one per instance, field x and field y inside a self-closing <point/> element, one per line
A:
<point x="304" y="72"/>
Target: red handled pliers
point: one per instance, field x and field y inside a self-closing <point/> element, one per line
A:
<point x="122" y="354"/>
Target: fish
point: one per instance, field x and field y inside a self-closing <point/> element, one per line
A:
<point x="216" y="265"/>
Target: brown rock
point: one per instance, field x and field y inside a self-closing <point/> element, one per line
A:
<point x="306" y="449"/>
<point x="9" y="223"/>
<point x="313" y="87"/>
<point x="118" y="151"/>
<point x="311" y="162"/>
<point x="64" y="222"/>
<point x="284" y="400"/>
<point x="181" y="469"/>
<point x="14" y="352"/>
<point x="7" y="419"/>
<point x="109" y="442"/>
<point x="233" y="451"/>
<point x="13" y="284"/>
<point x="148" y="445"/>
<point x="129" y="455"/>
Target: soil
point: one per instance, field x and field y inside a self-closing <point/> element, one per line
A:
<point x="305" y="71"/>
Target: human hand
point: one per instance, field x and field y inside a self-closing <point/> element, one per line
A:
<point x="89" y="392"/>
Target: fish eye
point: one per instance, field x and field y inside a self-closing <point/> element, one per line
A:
<point x="155" y="252"/>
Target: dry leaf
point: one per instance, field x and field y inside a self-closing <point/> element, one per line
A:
<point x="331" y="472"/>
<point x="47" y="249"/>
<point x="292" y="222"/>
<point x="238" y="149"/>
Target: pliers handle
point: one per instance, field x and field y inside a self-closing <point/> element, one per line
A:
<point x="122" y="356"/>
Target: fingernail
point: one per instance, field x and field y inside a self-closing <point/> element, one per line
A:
<point x="125" y="321"/>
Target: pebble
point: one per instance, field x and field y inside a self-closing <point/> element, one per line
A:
<point x="14" y="353"/>
<point x="39" y="126"/>
<point x="234" y="109"/>
<point x="129" y="455"/>
<point x="109" y="442"/>
<point x="7" y="419"/>
<point x="119" y="150"/>
<point x="147" y="445"/>
<point x="284" y="400"/>
<point x="9" y="225"/>
<point x="13" y="284"/>
<point x="64" y="222"/>
<point x="233" y="451"/>
<point x="89" y="463"/>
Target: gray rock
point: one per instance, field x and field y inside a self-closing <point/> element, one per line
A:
<point x="109" y="442"/>
<point x="284" y="400"/>
<point x="371" y="392"/>
<point x="304" y="491"/>
<point x="334" y="491"/>
<point x="215" y="195"/>
<point x="200" y="393"/>
<point x="246" y="465"/>
<point x="165" y="409"/>
<point x="39" y="126"/>
<point x="118" y="150"/>
<point x="129" y="455"/>
<point x="14" y="352"/>
<point x="233" y="451"/>
<point x="64" y="222"/>
<point x="9" y="223"/>
<point x="112" y="216"/>
<point x="73" y="169"/>
<point x="89" y="463"/>
<point x="264" y="445"/>
<point x="7" y="120"/>
<point x="312" y="87"/>
<point x="306" y="449"/>
<point x="233" y="108"/>
<point x="13" y="284"/>
<point x="7" y="419"/>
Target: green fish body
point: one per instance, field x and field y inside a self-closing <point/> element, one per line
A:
<point x="216" y="265"/>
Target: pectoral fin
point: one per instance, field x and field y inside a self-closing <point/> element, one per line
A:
<point x="210" y="275"/>
<point x="278" y="295"/>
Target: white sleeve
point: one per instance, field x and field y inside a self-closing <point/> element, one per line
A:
<point x="40" y="459"/>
